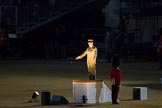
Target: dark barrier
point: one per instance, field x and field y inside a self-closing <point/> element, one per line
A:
<point x="59" y="100"/>
<point x="45" y="98"/>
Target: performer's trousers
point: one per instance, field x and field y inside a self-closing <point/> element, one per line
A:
<point x="115" y="92"/>
<point x="92" y="70"/>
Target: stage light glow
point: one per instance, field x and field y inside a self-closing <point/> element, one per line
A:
<point x="35" y="95"/>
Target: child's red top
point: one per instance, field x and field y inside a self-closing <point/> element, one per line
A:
<point x="116" y="74"/>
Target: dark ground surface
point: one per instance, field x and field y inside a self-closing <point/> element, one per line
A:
<point x="19" y="79"/>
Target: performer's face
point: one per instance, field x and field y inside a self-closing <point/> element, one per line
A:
<point x="90" y="44"/>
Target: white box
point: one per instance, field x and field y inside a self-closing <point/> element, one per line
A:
<point x="94" y="90"/>
<point x="140" y="93"/>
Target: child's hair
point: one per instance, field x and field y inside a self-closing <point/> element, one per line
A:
<point x="115" y="61"/>
<point x="115" y="64"/>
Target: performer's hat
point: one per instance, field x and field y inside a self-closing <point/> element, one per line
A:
<point x="90" y="40"/>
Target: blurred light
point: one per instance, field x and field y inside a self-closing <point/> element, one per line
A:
<point x="35" y="95"/>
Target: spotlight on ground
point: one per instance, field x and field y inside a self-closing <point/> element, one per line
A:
<point x="34" y="97"/>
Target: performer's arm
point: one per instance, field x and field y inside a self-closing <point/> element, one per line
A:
<point x="95" y="57"/>
<point x="112" y="79"/>
<point x="82" y="55"/>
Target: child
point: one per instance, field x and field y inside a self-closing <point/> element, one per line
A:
<point x="115" y="77"/>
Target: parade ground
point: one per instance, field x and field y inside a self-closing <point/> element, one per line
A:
<point x="20" y="78"/>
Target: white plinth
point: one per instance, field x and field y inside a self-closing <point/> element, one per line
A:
<point x="140" y="93"/>
<point x="94" y="90"/>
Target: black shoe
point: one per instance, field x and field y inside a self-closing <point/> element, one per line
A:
<point x="90" y="77"/>
<point x="93" y="77"/>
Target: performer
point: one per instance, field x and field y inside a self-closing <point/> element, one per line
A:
<point x="115" y="78"/>
<point x="91" y="53"/>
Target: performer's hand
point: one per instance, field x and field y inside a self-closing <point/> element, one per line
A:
<point x="77" y="58"/>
